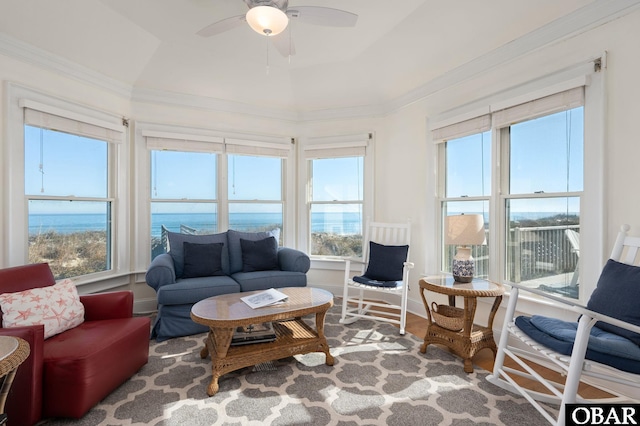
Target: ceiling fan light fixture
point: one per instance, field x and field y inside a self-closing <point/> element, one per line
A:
<point x="267" y="20"/>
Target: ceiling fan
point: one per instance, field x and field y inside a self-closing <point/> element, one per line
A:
<point x="271" y="17"/>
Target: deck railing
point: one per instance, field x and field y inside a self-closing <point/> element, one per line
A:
<point x="533" y="252"/>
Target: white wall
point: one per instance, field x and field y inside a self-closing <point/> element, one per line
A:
<point x="405" y="160"/>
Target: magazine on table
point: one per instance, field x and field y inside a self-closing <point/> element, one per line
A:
<point x="265" y="298"/>
<point x="254" y="333"/>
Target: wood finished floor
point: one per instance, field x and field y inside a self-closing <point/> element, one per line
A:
<point x="417" y="325"/>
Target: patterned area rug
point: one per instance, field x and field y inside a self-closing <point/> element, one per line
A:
<point x="379" y="378"/>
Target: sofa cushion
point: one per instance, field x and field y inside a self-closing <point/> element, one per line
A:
<point x="192" y="290"/>
<point x="235" y="250"/>
<point x="202" y="260"/>
<point x="386" y="263"/>
<point x="263" y="280"/>
<point x="616" y="295"/>
<point x="176" y="248"/>
<point x="57" y="307"/>
<point x="259" y="255"/>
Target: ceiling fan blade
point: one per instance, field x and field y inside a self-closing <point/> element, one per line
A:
<point x="284" y="44"/>
<point x="222" y="26"/>
<point x="325" y="16"/>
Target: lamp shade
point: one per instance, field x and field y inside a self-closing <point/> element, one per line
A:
<point x="465" y="230"/>
<point x="267" y="20"/>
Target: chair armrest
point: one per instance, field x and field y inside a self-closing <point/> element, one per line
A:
<point x="161" y="271"/>
<point x="24" y="403"/>
<point x="572" y="305"/>
<point x="609" y="320"/>
<point x="112" y="305"/>
<point x="293" y="260"/>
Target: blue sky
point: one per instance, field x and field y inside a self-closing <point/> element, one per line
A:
<point x="74" y="165"/>
<point x="539" y="157"/>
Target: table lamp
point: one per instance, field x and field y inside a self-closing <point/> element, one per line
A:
<point x="464" y="230"/>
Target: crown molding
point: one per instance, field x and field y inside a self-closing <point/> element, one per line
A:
<point x="154" y="96"/>
<point x="30" y="54"/>
<point x="582" y="20"/>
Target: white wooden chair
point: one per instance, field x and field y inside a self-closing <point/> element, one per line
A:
<point x="578" y="363"/>
<point x="389" y="259"/>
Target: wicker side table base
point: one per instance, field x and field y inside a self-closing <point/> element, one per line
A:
<point x="463" y="346"/>
<point x="471" y="338"/>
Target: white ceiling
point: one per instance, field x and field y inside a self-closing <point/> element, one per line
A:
<point x="395" y="48"/>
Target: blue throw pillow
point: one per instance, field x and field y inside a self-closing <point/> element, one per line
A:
<point x="386" y="263"/>
<point x="260" y="255"/>
<point x="176" y="246"/>
<point x="202" y="260"/>
<point x="235" y="250"/>
<point x="617" y="295"/>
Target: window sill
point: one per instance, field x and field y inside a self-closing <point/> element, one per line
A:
<point x="327" y="263"/>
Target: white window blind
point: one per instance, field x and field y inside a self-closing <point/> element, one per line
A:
<point x="165" y="141"/>
<point x="463" y="128"/>
<point x="337" y="146"/>
<point x="568" y="99"/>
<point x="76" y="126"/>
<point x="257" y="148"/>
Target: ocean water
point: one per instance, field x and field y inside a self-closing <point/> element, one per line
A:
<point x="348" y="223"/>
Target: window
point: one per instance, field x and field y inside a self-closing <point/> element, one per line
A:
<point x="542" y="203"/>
<point x="533" y="201"/>
<point x="70" y="214"/>
<point x="336" y="198"/>
<point x="202" y="184"/>
<point x="255" y="193"/>
<point x="467" y="188"/>
<point x="183" y="195"/>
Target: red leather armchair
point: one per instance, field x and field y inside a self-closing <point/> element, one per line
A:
<point x="67" y="374"/>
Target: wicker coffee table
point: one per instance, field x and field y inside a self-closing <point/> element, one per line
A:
<point x="224" y="313"/>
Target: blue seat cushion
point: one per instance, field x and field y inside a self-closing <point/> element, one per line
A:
<point x="375" y="283"/>
<point x="604" y="347"/>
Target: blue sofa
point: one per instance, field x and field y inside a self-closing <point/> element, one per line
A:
<point x="201" y="266"/>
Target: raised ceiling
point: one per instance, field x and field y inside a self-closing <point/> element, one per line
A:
<point x="396" y="47"/>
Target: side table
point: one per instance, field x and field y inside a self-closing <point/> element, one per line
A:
<point x="13" y="352"/>
<point x="453" y="327"/>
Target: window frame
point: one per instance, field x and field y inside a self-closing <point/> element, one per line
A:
<point x="327" y="147"/>
<point x="177" y="138"/>
<point x="503" y="134"/>
<point x="16" y="220"/>
<point x="592" y="198"/>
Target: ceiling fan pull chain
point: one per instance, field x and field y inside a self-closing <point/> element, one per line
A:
<point x="290" y="44"/>
<point x="267" y="41"/>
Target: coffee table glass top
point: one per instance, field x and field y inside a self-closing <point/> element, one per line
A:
<point x="229" y="307"/>
<point x="8" y="345"/>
